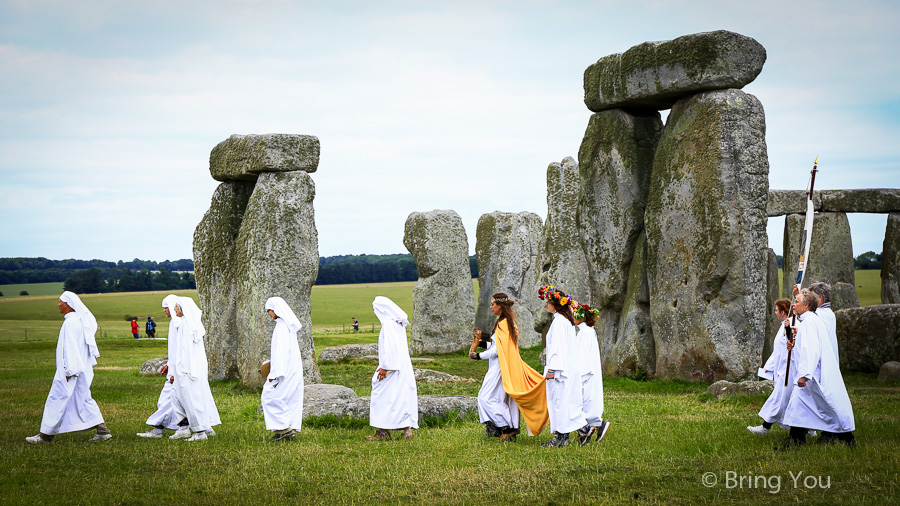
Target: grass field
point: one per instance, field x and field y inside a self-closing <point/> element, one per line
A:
<point x="667" y="442"/>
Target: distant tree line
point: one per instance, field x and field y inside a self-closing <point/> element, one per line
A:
<point x="349" y="269"/>
<point x="101" y="276"/>
<point x="43" y="270"/>
<point x="96" y="280"/>
<point x="868" y="260"/>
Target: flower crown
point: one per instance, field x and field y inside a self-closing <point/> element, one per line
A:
<point x="552" y="294"/>
<point x="582" y="310"/>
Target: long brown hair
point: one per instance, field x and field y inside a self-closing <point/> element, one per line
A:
<point x="565" y="310"/>
<point x="589" y="318"/>
<point x="507" y="313"/>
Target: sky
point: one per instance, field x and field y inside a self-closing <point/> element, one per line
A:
<point x="109" y="109"/>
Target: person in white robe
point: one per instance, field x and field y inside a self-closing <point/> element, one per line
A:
<point x="591" y="375"/>
<point x="496" y="409"/>
<point x="282" y="395"/>
<point x="394" y="403"/>
<point x="70" y="406"/>
<point x="774" y="369"/>
<point x="193" y="398"/>
<point x="819" y="400"/>
<point x="164" y="417"/>
<point x="562" y="370"/>
<point x="822" y="291"/>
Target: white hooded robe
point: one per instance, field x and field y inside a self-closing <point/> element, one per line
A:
<point x="282" y="395"/>
<point x="394" y="403"/>
<point x="69" y="406"/>
<point x="193" y="398"/>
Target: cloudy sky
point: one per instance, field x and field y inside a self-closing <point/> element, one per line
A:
<point x="109" y="109"/>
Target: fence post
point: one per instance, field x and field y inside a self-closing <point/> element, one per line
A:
<point x="26" y="334"/>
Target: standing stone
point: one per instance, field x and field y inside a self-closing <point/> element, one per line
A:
<point x="890" y="261"/>
<point x="831" y="251"/>
<point x="631" y="348"/>
<point x="562" y="260"/>
<point x="706" y="237"/>
<point x="615" y="163"/>
<point x="444" y="297"/>
<point x="657" y="74"/>
<point x="506" y="245"/>
<point x="843" y="296"/>
<point x="214" y="247"/>
<point x="277" y="254"/>
<point x="772" y="322"/>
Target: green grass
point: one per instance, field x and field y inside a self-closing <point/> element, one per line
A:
<point x="665" y="436"/>
<point x="32" y="289"/>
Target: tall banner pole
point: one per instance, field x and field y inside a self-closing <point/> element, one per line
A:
<point x="803" y="261"/>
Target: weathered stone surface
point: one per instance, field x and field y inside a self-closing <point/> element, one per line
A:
<point x="429" y="376"/>
<point x="784" y="202"/>
<point x="706" y="238"/>
<point x="562" y="260"/>
<point x="867" y="200"/>
<point x="629" y="347"/>
<point x="615" y="162"/>
<point x="336" y="353"/>
<point x="154" y="365"/>
<point x="843" y="296"/>
<point x="657" y="74"/>
<point x="214" y="247"/>
<point x="276" y="254"/>
<point x="890" y="261"/>
<point x="724" y="388"/>
<point x="507" y="248"/>
<point x="831" y="252"/>
<point x="772" y="323"/>
<point x="889" y="371"/>
<point x="247" y="156"/>
<point x="321" y="399"/>
<point x="868" y="336"/>
<point x="338" y="400"/>
<point x="411" y="359"/>
<point x="444" y="297"/>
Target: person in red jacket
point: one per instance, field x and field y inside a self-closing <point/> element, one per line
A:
<point x="134" y="327"/>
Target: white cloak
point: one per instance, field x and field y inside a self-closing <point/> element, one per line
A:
<point x="165" y="412"/>
<point x="494" y="404"/>
<point x="282" y="398"/>
<point x="564" y="402"/>
<point x="773" y="409"/>
<point x="823" y="404"/>
<point x="193" y="398"/>
<point x="827" y="316"/>
<point x="591" y="375"/>
<point x="69" y="406"/>
<point x="394" y="403"/>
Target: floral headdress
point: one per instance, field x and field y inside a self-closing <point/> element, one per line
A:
<point x="582" y="310"/>
<point x="552" y="294"/>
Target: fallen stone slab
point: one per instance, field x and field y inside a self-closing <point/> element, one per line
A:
<point x="429" y="376"/>
<point x="868" y="336"/>
<point x="338" y="400"/>
<point x="412" y="359"/>
<point x="725" y="388"/>
<point x="655" y="75"/>
<point x="154" y="365"/>
<point x="336" y="353"/>
<point x="889" y="371"/>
